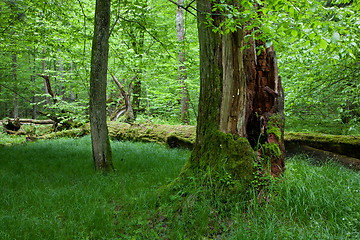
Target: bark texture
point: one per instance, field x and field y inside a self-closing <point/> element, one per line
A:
<point x="101" y="149"/>
<point x="14" y="75"/>
<point x="240" y="119"/>
<point x="220" y="142"/>
<point x="184" y="93"/>
<point x="265" y="118"/>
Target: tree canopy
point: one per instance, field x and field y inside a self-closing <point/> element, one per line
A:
<point x="317" y="44"/>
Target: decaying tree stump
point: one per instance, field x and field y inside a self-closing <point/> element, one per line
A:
<point x="12" y="126"/>
<point x="265" y="118"/>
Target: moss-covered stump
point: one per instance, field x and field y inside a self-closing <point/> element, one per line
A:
<point x="344" y="145"/>
<point x="224" y="159"/>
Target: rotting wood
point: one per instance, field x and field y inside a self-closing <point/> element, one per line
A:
<point x="35" y="121"/>
<point x="184" y="135"/>
<point x="321" y="156"/>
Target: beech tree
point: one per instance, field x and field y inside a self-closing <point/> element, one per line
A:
<point x="240" y="118"/>
<point x="98" y="80"/>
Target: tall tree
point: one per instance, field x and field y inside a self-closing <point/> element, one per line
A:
<point x="14" y="75"/>
<point x="184" y="93"/>
<point x="98" y="80"/>
<point x="230" y="92"/>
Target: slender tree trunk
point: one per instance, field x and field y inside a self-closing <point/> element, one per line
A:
<point x="184" y="113"/>
<point x="1" y="105"/>
<point x="32" y="78"/>
<point x="61" y="78"/>
<point x="72" y="94"/>
<point x="136" y="93"/>
<point x="14" y="75"/>
<point x="47" y="100"/>
<point x="98" y="80"/>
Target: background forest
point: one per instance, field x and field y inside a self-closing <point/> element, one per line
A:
<point x="49" y="189"/>
<point x="317" y="48"/>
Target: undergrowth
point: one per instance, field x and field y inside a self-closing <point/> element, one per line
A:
<point x="50" y="191"/>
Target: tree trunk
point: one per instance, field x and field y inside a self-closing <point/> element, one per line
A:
<point x="14" y="75"/>
<point x="61" y="78"/>
<point x="72" y="94"/>
<point x="220" y="144"/>
<point x="47" y="100"/>
<point x="136" y="93"/>
<point x="102" y="155"/>
<point x="32" y="78"/>
<point x="229" y="101"/>
<point x="184" y="113"/>
<point x="265" y="118"/>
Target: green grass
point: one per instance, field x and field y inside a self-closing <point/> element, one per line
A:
<point x="49" y="190"/>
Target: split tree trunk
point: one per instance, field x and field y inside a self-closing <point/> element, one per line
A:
<point x="265" y="118"/>
<point x="240" y="98"/>
<point x="101" y="149"/>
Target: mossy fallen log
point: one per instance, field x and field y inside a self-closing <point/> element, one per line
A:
<point x="170" y="135"/>
<point x="321" y="156"/>
<point x="340" y="144"/>
<point x="184" y="136"/>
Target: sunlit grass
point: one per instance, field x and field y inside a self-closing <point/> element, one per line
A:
<point x="49" y="190"/>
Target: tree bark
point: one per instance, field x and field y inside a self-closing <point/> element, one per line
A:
<point x="265" y="118"/>
<point x="220" y="144"/>
<point x="184" y="93"/>
<point x="14" y="75"/>
<point x="236" y="89"/>
<point x="47" y="100"/>
<point x="101" y="149"/>
<point x="32" y="78"/>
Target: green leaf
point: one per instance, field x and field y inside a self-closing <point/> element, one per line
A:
<point x="335" y="37"/>
<point x="268" y="44"/>
<point x="294" y="33"/>
<point x="323" y="44"/>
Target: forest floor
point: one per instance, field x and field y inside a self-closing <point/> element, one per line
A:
<point x="50" y="191"/>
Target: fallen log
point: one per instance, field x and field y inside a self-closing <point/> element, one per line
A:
<point x="35" y="121"/>
<point x="321" y="156"/>
<point x="170" y="135"/>
<point x="184" y="136"/>
<point x="340" y="144"/>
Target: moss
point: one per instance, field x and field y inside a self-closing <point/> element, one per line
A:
<point x="271" y="149"/>
<point x="224" y="157"/>
<point x="274" y="125"/>
<point x="71" y="133"/>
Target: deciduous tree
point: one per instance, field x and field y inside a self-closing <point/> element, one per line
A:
<point x="98" y="80"/>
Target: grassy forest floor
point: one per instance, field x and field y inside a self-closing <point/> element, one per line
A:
<point x="50" y="191"/>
